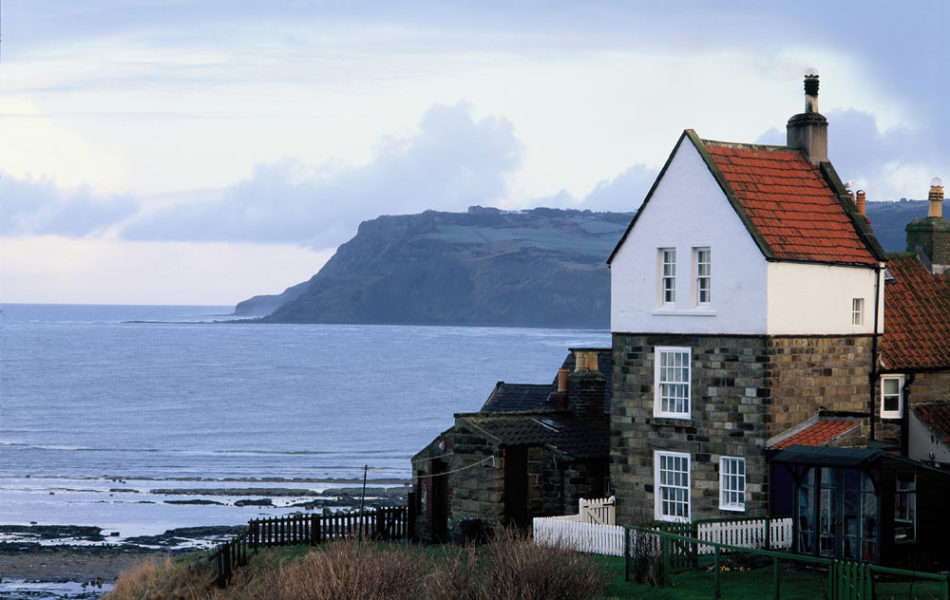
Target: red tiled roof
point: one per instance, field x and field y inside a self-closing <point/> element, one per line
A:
<point x="789" y="203"/>
<point x="818" y="434"/>
<point x="936" y="417"/>
<point x="916" y="317"/>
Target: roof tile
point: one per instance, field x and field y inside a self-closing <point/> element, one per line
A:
<point x="916" y="318"/>
<point x="790" y="204"/>
<point x="818" y="434"/>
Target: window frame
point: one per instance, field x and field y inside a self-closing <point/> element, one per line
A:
<point x="857" y="311"/>
<point x="659" y="369"/>
<point x="905" y="521"/>
<point x="726" y="477"/>
<point x="659" y="486"/>
<point x="699" y="276"/>
<point x="899" y="412"/>
<point x="666" y="280"/>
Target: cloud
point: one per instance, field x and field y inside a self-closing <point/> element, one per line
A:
<point x="623" y="193"/>
<point x="38" y="207"/>
<point x="451" y="163"/>
<point x="885" y="163"/>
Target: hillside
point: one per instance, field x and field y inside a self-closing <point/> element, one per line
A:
<point x="538" y="268"/>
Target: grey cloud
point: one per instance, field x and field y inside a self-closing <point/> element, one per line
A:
<point x="623" y="193"/>
<point x="862" y="152"/>
<point x="452" y="163"/>
<point x="29" y="207"/>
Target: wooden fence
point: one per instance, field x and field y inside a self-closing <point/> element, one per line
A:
<point x="308" y="529"/>
<point x="583" y="537"/>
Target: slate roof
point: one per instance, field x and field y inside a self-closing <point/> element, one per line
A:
<point x="513" y="397"/>
<point x="818" y="434"/>
<point x="579" y="438"/>
<point x="794" y="210"/>
<point x="936" y="417"/>
<point x="916" y="318"/>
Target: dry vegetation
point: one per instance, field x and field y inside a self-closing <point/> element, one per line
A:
<point x="509" y="568"/>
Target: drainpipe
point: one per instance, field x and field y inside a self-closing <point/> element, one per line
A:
<point x="872" y="376"/>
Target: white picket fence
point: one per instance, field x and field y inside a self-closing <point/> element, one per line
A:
<point x="583" y="537"/>
<point x="570" y="531"/>
<point x="747" y="533"/>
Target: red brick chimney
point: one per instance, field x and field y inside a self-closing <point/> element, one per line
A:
<point x="862" y="203"/>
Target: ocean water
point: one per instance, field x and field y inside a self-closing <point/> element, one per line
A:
<point x="111" y="416"/>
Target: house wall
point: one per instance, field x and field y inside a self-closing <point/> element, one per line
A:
<point x="477" y="492"/>
<point x="729" y="378"/>
<point x="923" y="442"/>
<point x="744" y="390"/>
<point x="688" y="209"/>
<point x="813" y="373"/>
<point x="811" y="299"/>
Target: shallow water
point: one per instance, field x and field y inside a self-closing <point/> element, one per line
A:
<point x="108" y="413"/>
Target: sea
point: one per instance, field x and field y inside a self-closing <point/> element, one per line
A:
<point x="144" y="419"/>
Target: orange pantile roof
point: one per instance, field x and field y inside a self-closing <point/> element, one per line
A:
<point x="789" y="204"/>
<point x="818" y="434"/>
<point x="916" y="318"/>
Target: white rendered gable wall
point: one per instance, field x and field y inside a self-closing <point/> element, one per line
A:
<point x="749" y="294"/>
<point x="689" y="210"/>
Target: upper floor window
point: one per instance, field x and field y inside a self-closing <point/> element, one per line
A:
<point x="671" y="382"/>
<point x="857" y="311"/>
<point x="892" y="396"/>
<point x="703" y="269"/>
<point x="671" y="485"/>
<point x="667" y="270"/>
<point x="731" y="483"/>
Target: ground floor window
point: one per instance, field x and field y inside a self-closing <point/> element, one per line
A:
<point x="731" y="483"/>
<point x="838" y="514"/>
<point x="905" y="508"/>
<point x="671" y="485"/>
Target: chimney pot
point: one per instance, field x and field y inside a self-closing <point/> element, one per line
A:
<point x="808" y="131"/>
<point x="562" y="379"/>
<point x="936" y="198"/>
<point x="862" y="203"/>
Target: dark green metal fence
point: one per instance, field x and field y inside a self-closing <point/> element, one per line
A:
<point x="653" y="555"/>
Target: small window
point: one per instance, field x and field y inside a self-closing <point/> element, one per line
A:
<point x="731" y="483"/>
<point x="905" y="508"/>
<point x="892" y="397"/>
<point x="667" y="275"/>
<point x="671" y="485"/>
<point x="857" y="311"/>
<point x="702" y="258"/>
<point x="671" y="382"/>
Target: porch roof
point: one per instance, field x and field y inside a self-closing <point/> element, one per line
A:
<point x="825" y="456"/>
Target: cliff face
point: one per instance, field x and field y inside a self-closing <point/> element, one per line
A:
<point x="541" y="268"/>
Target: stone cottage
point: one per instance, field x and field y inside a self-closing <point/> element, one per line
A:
<point x="532" y="450"/>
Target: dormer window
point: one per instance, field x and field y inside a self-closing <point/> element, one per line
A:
<point x="702" y="259"/>
<point x="667" y="283"/>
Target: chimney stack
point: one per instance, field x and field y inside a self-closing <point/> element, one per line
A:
<point x="930" y="237"/>
<point x="862" y="204"/>
<point x="808" y="131"/>
<point x="936" y="198"/>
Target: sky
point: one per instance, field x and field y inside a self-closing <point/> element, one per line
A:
<point x="205" y="151"/>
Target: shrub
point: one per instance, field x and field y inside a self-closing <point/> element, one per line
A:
<point x="163" y="580"/>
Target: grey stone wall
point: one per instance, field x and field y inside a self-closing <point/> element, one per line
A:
<point x="729" y="390"/>
<point x="744" y="390"/>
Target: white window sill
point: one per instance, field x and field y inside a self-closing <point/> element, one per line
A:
<point x="891" y="416"/>
<point x="675" y="416"/>
<point x="690" y="312"/>
<point x="733" y="508"/>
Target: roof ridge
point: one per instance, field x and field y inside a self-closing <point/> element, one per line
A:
<point x="752" y="146"/>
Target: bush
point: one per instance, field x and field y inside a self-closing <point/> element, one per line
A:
<point x="163" y="580"/>
<point x="510" y="567"/>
